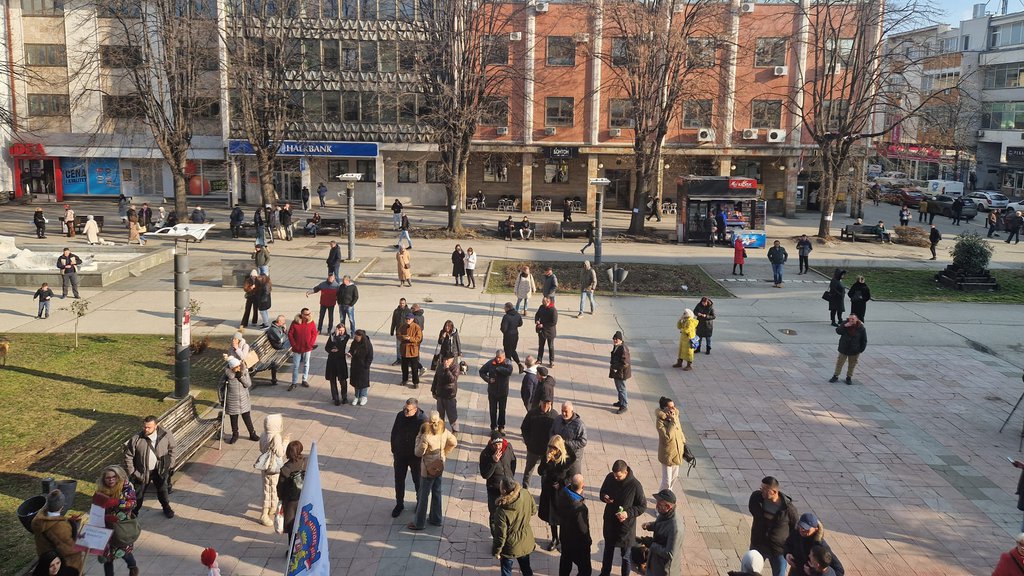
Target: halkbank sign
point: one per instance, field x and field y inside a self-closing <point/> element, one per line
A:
<point x="302" y="148"/>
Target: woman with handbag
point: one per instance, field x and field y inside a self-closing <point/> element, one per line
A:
<point x="671" y="441"/>
<point x="273" y="444"/>
<point x="115" y="493"/>
<point x="337" y="363"/>
<point x="236" y="398"/>
<point x="433" y="446"/>
<point x="404" y="267"/>
<point x="688" y="340"/>
<point x="558" y="466"/>
<point x="836" y="296"/>
<point x="448" y="344"/>
<point x="360" y="354"/>
<point x="289" y="483"/>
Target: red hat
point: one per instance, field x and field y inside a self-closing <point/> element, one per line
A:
<point x="208" y="557"/>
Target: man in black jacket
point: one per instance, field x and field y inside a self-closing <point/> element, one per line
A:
<point x="286" y="220"/>
<point x="334" y="259"/>
<point x="403" y="446"/>
<point x="496" y="373"/>
<point x="510" y="324"/>
<point x="574" y="522"/>
<point x="277" y="334"/>
<point x="544" y="391"/>
<point x="68" y="264"/>
<point x="808" y="534"/>
<point x="934" y="237"/>
<point x="624" y="502"/>
<point x="497" y="462"/>
<point x="536" y="430"/>
<point x="775" y="516"/>
<point x="853" y="340"/>
<point x="546" y="319"/>
<point x="445" y="389"/>
<point x="397" y="320"/>
<point x="348" y="295"/>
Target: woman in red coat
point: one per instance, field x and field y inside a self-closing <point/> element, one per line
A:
<point x="1011" y="563"/>
<point x="738" y="255"/>
<point x="302" y="337"/>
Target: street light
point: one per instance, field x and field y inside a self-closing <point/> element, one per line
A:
<point x="600" y="183"/>
<point x="350" y="179"/>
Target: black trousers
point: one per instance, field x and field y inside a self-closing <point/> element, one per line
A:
<point x="412" y="464"/>
<point x="581" y="558"/>
<point x="161" y="491"/>
<point x="509" y="343"/>
<point x="921" y="216"/>
<point x="804" y="266"/>
<point x="931" y="217"/>
<point x="246" y="418"/>
<point x="411" y="365"/>
<point x="542" y="338"/>
<point x="609" y="556"/>
<point x="932" y="248"/>
<point x="250" y="304"/>
<point x="496" y="405"/>
<point x="329" y="310"/>
<point x="40" y="230"/>
<point x="335" y="386"/>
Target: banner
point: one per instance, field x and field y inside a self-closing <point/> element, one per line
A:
<point x="104" y="177"/>
<point x="308" y="551"/>
<point x="75" y="175"/>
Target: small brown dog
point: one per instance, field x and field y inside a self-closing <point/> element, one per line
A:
<point x="5" y="347"/>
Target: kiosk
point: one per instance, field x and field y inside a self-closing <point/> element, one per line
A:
<point x="702" y="198"/>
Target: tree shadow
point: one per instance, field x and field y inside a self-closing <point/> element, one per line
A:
<point x="94" y="384"/>
<point x="84" y="455"/>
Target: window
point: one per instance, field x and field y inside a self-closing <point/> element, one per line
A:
<point x="1005" y="35"/>
<point x="697" y="114"/>
<point x="620" y="113"/>
<point x="207" y="108"/>
<point x="349" y="56"/>
<point x="387" y="10"/>
<point x="1003" y="115"/>
<point x="700" y="52"/>
<point x="368" y="168"/>
<point x="113" y="56"/>
<point x="835" y="113"/>
<point x="118" y="8"/>
<point x="967" y="43"/>
<point x="331" y="57"/>
<point x="494" y="111"/>
<point x="766" y="114"/>
<point x="330" y="9"/>
<point x="48" y="105"/>
<point x="46" y="55"/>
<point x="408" y="172"/>
<point x="42" y="7"/>
<point x="495" y="50"/>
<point x="311" y="54"/>
<point x="407" y="57"/>
<point x="435" y="173"/>
<point x="619" y="52"/>
<point x="368" y="9"/>
<point x="313" y="105"/>
<point x="332" y="106"/>
<point x="388" y="57"/>
<point x="1005" y="75"/>
<point x="556" y="172"/>
<point x="407" y="109"/>
<point x="561" y="51"/>
<point x="349" y="9"/>
<point x="495" y="169"/>
<point x="367" y="56"/>
<point x="350" y="107"/>
<point x="388" y="108"/>
<point x="944" y="80"/>
<point x="336" y="168"/>
<point x="406" y="10"/>
<point x="770" y="52"/>
<point x="128" y="106"/>
<point x="558" y="111"/>
<point x="839" y="51"/>
<point x="368" y="107"/>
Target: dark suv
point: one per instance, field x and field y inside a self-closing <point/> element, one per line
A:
<point x="944" y="205"/>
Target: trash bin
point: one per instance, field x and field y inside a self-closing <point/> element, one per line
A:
<point x="28" y="510"/>
<point x="48" y="484"/>
<point x="69" y="488"/>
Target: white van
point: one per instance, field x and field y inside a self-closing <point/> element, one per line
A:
<point x="947" y="187"/>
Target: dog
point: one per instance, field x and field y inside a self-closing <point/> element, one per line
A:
<point x="5" y="348"/>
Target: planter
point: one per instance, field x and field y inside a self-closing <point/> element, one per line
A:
<point x="954" y="277"/>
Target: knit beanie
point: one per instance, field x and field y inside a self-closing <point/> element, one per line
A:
<point x="208" y="557"/>
<point x="55" y="501"/>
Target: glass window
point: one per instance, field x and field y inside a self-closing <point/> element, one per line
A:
<point x="332" y="106"/>
<point x="697" y="114"/>
<point x="835" y="112"/>
<point x="388" y="108"/>
<point x="388" y="57"/>
<point x="387" y="10"/>
<point x="368" y="168"/>
<point x="349" y="9"/>
<point x="766" y="114"/>
<point x="119" y="8"/>
<point x="48" y="105"/>
<point x="409" y="172"/>
<point x="426" y="10"/>
<point x="368" y="9"/>
<point x="330" y="9"/>
<point x="313" y="105"/>
<point x="620" y="113"/>
<point x="839" y="51"/>
<point x="407" y="111"/>
<point x="113" y="56"/>
<point x="770" y="52"/>
<point x="1004" y="75"/>
<point x="561" y="51"/>
<point x="367" y="56"/>
<point x="331" y="58"/>
<point x="495" y="50"/>
<point x="46" y="55"/>
<point x="350" y="107"/>
<point x="495" y="169"/>
<point x="619" y="52"/>
<point x="349" y="55"/>
<point x="556" y="172"/>
<point x="407" y="10"/>
<point x="494" y="111"/>
<point x="558" y="111"/>
<point x="42" y="7"/>
<point x="435" y="173"/>
<point x="368" y="107"/>
<point x="336" y="168"/>
<point x="127" y="106"/>
<point x="311" y="54"/>
<point x="700" y="52"/>
<point x="407" y="57"/>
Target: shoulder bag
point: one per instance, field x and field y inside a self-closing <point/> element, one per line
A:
<point x="126" y="532"/>
<point x="433" y="467"/>
<point x="252" y="358"/>
<point x="268" y="462"/>
<point x="436" y="360"/>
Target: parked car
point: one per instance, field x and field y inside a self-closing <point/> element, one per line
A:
<point x="892" y="178"/>
<point x="989" y="200"/>
<point x="944" y="206"/>
<point x="1014" y="207"/>
<point x="909" y="198"/>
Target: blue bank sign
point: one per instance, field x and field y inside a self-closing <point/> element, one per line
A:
<point x="297" y="148"/>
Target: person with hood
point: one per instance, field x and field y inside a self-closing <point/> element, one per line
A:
<point x="459" y="265"/>
<point x="559" y="464"/>
<point x="433" y="446"/>
<point x="530" y="382"/>
<point x="750" y="565"/>
<point x="397" y="320"/>
<point x="302" y="336"/>
<point x="775" y="517"/>
<point x="853" y="340"/>
<point x="588" y="283"/>
<point x="403" y="450"/>
<point x="360" y="354"/>
<point x="337" y="364"/>
<point x="289" y="484"/>
<point x="666" y="542"/>
<point x="545" y="321"/>
<point x="836" y="297"/>
<point x="705" y="313"/>
<point x="445" y="389"/>
<point x="497" y="463"/>
<point x="496" y="373"/>
<point x="739" y="254"/>
<point x="536" y="429"/>
<point x="328" y="290"/>
<point x="261" y="256"/>
<point x="198" y="215"/>
<point x="809" y="533"/>
<point x="572" y="430"/>
<point x="545" y="388"/>
<point x="54" y="532"/>
<point x="859" y="294"/>
<point x="448" y="342"/>
<point x="236" y="398"/>
<point x="620" y="370"/>
<point x="671" y="441"/>
<point x="404" y="267"/>
<point x="687" y="326"/>
<point x="411" y="336"/>
<point x="803" y="250"/>
<point x="524" y="287"/>
<point x="235" y="220"/>
<point x="51" y="564"/>
<point x="40" y="222"/>
<point x="273" y="442"/>
<point x="511" y="535"/>
<point x="624" y="502"/>
<point x="249" y="289"/>
<point x="574" y="525"/>
<point x="91" y="230"/>
<point x="509" y="328"/>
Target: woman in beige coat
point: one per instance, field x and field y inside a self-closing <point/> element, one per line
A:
<point x="404" y="267"/>
<point x="433" y="445"/>
<point x="271" y="441"/>
<point x="671" y="441"/>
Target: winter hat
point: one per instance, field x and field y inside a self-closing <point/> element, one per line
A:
<point x="233" y="362"/>
<point x="542" y="370"/>
<point x="752" y="561"/>
<point x="208" y="557"/>
<point x="808" y="521"/>
<point x="617" y="335"/>
<point x="55" y="501"/>
<point x="238" y="336"/>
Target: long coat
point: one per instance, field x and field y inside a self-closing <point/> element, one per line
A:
<point x="410" y="335"/>
<point x="404" y="267"/>
<point x="737" y="252"/>
<point x="337" y="364"/>
<point x="620" y="364"/>
<point x="554" y="476"/>
<point x="705" y="319"/>
<point x="359" y="367"/>
<point x="236" y="395"/>
<point x="687" y="330"/>
<point x="671" y="439"/>
<point x="629" y="495"/>
<point x="836" y="296"/>
<point x="458" y="263"/>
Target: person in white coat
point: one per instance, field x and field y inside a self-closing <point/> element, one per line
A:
<point x="272" y="441"/>
<point x="524" y="288"/>
<point x="470" y="267"/>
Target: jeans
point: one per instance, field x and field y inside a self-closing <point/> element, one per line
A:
<point x="921" y="216"/>
<point x="430" y="489"/>
<point x="329" y="310"/>
<point x="404" y="234"/>
<point x="620" y="387"/>
<point x="583" y="297"/>
<point x="448" y="408"/>
<point x="524" y="566"/>
<point x="263" y="270"/>
<point x="411" y="365"/>
<point x="531" y="462"/>
<point x="704" y="340"/>
<point x="350" y="313"/>
<point x="334" y="269"/>
<point x="44" y="308"/>
<point x="524" y="301"/>
<point x="396" y="220"/>
<point x="265" y="316"/>
<point x="777" y="273"/>
<point x="300" y="358"/>
<point x="497" y="405"/>
<point x="261" y="236"/>
<point x="69" y="278"/>
<point x="129" y="560"/>
<point x="779" y="564"/>
<point x="361" y="392"/>
<point x="412" y="464"/>
<point x="322" y="203"/>
<point x="609" y="556"/>
<point x="933" y="245"/>
<point x="288" y="232"/>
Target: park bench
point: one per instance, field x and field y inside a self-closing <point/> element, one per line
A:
<point x="81" y="220"/>
<point x="270" y="358"/>
<point x="328" y="225"/>
<point x="516" y="226"/>
<point x="856" y="232"/>
<point x="576" y="229"/>
<point x="189" y="429"/>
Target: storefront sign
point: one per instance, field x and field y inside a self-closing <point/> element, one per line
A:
<point x="296" y="148"/>
<point x="75" y="176"/>
<point x="104" y="177"/>
<point x="561" y="152"/>
<point x="742" y="183"/>
<point x="1014" y="154"/>
<point x="21" y="149"/>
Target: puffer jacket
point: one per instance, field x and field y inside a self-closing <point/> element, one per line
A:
<point x="800" y="547"/>
<point x="236" y="393"/>
<point x="446" y="382"/>
<point x="768" y="536"/>
<point x="271" y="439"/>
<point x="573" y="431"/>
<point x="671" y="439"/>
<point x="511" y="534"/>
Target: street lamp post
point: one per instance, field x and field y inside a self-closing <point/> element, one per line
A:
<point x="350" y="179"/>
<point x="600" y="183"/>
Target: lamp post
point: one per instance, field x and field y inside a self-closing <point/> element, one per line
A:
<point x="600" y="183"/>
<point x="350" y="179"/>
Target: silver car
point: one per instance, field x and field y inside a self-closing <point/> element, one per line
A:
<point x="989" y="200"/>
<point x="944" y="205"/>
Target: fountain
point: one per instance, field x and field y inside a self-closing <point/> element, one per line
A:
<point x="101" y="265"/>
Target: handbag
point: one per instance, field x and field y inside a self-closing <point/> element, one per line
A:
<point x="126" y="532"/>
<point x="435" y="361"/>
<point x="695" y="342"/>
<point x="252" y="358"/>
<point x="689" y="458"/>
<point x="433" y="467"/>
<point x="744" y="252"/>
<point x="279" y="519"/>
<point x="463" y="367"/>
<point x="142" y="228"/>
<point x="826" y="295"/>
<point x="268" y="462"/>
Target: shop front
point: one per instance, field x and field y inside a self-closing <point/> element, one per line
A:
<point x="701" y="201"/>
<point x="35" y="171"/>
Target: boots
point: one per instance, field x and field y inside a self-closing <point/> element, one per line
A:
<point x="689" y="366"/>
<point x="265" y="518"/>
<point x="133" y="571"/>
<point x="522" y="368"/>
<point x="678" y="364"/>
<point x="233" y="438"/>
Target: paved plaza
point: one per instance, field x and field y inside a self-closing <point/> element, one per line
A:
<point x="905" y="468"/>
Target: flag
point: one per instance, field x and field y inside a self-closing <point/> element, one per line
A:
<point x="308" y="554"/>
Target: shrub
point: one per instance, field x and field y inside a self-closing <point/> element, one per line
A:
<point x="971" y="253"/>
<point x="912" y="236"/>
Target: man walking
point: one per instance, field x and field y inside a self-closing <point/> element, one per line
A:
<point x="411" y="336"/>
<point x="277" y="335"/>
<point x="619" y="371"/>
<point x="149" y="459"/>
<point x="777" y="255"/>
<point x="403" y="445"/>
<point x="403" y="233"/>
<point x="510" y="324"/>
<point x="588" y="283"/>
<point x="574" y="524"/>
<point x="545" y="319"/>
<point x="512" y="536"/>
<point x="775" y="516"/>
<point x="334" y="259"/>
<point x="260" y="223"/>
<point x="550" y="286"/>
<point x="396" y="214"/>
<point x="302" y="337"/>
<point x="666" y="542"/>
<point x="1016" y="222"/>
<point x="304" y="194"/>
<point x="571" y="428"/>
<point x="496" y="373"/>
<point x="321" y="191"/>
<point x="348" y="295"/>
<point x="68" y="264"/>
<point x="328" y="290"/>
<point x="397" y="320"/>
<point x="285" y="218"/>
<point x="536" y="431"/>
<point x="624" y="502"/>
<point x="803" y="249"/>
<point x="934" y="237"/>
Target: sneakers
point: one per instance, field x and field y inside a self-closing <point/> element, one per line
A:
<point x="362" y="401"/>
<point x="849" y="381"/>
<point x="254" y="437"/>
<point x="305" y="384"/>
<point x="291" y="387"/>
<point x="833" y="379"/>
<point x="168" y="512"/>
<point x="617" y="404"/>
<point x="621" y="410"/>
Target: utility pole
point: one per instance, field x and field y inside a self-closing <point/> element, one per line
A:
<point x="350" y="179"/>
<point x="600" y="183"/>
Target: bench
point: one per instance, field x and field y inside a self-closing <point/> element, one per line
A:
<point x="270" y="358"/>
<point x="190" y="431"/>
<point x="516" y="226"/>
<point x="860" y="231"/>
<point x="81" y="220"/>
<point x="326" y="225"/>
<point x="576" y="228"/>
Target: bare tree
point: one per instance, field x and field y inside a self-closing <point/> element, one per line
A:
<point x="661" y="54"/>
<point x="948" y="123"/>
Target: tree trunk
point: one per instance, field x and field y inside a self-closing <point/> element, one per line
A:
<point x="828" y="205"/>
<point x="181" y="196"/>
<point x="265" y="166"/>
<point x="456" y="190"/>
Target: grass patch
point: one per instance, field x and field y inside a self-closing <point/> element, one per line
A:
<point x="898" y="285"/>
<point x="65" y="413"/>
<point x="643" y="279"/>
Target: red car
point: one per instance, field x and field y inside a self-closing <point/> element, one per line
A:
<point x="910" y="198"/>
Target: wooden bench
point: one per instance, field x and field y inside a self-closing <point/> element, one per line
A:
<point x="516" y="226"/>
<point x="576" y="229"/>
<point x="860" y="231"/>
<point x="328" y="225"/>
<point x="81" y="220"/>
<point x="270" y="358"/>
<point x="189" y="429"/>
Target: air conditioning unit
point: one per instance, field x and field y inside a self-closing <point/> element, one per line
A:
<point x="541" y="6"/>
<point x="781" y="70"/>
<point x="614" y="133"/>
<point x="750" y="134"/>
<point x="705" y="135"/>
<point x="501" y="130"/>
<point x="776" y="135"/>
<point x="836" y="68"/>
<point x="581" y="37"/>
<point x="746" y="8"/>
<point x="550" y="131"/>
<point x="515" y="36"/>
